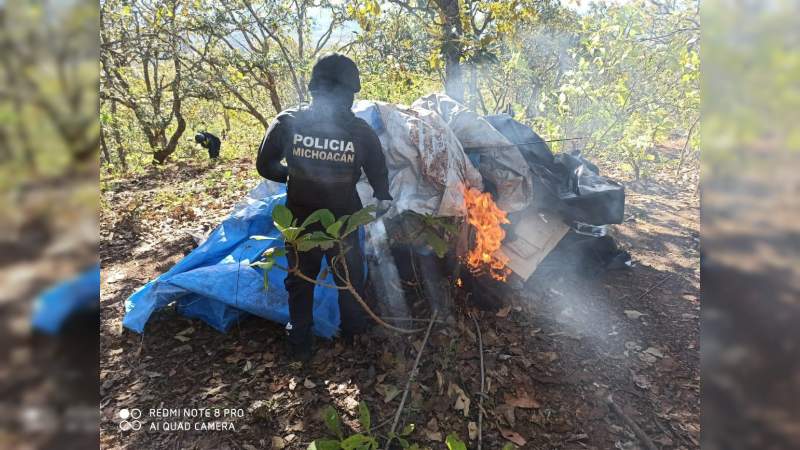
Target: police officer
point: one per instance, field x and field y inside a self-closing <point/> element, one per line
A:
<point x="210" y="142"/>
<point x="325" y="147"/>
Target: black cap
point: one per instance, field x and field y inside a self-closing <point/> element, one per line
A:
<point x="333" y="71"/>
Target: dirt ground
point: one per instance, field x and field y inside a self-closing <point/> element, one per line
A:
<point x="552" y="355"/>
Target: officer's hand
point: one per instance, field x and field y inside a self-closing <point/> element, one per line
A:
<point x="382" y="207"/>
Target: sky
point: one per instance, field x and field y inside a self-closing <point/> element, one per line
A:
<point x="323" y="18"/>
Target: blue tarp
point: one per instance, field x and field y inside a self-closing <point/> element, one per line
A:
<point x="216" y="284"/>
<point x="58" y="303"/>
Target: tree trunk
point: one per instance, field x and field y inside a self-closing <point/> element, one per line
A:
<point x="685" y="147"/>
<point x="452" y="49"/>
<point x="227" y="117"/>
<point x="123" y="159"/>
<point x="104" y="147"/>
<point x="273" y="93"/>
<point x="169" y="147"/>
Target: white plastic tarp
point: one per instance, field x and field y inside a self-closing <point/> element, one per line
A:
<point x="499" y="162"/>
<point x="427" y="166"/>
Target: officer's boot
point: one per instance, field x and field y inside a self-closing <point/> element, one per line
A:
<point x="300" y="343"/>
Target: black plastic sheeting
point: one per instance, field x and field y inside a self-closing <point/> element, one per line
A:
<point x="572" y="185"/>
<point x="587" y="196"/>
<point x="587" y="256"/>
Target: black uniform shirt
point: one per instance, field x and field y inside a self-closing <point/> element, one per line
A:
<point x="324" y="158"/>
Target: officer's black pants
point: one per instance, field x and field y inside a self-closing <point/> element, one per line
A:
<point x="301" y="292"/>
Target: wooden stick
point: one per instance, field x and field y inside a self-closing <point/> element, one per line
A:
<point x="483" y="381"/>
<point x="413" y="373"/>
<point x="653" y="287"/>
<point x="410" y="319"/>
<point x="641" y="435"/>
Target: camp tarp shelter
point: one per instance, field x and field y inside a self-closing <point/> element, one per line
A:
<point x="216" y="283"/>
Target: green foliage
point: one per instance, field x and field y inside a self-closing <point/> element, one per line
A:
<point x="624" y="76"/>
<point x="332" y="421"/>
<point x="633" y="84"/>
<point x="363" y="416"/>
<point x="323" y="216"/>
<point x="302" y="239"/>
<point x="356" y="441"/>
<point x="364" y="440"/>
<point x="401" y="438"/>
<point x="454" y="443"/>
<point x="359" y="218"/>
<point x="324" y="444"/>
<point x="426" y="229"/>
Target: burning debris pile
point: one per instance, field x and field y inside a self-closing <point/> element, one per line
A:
<point x="479" y="203"/>
<point x="507" y="200"/>
<point x="487" y="221"/>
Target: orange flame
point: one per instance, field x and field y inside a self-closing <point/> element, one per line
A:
<point x="486" y="218"/>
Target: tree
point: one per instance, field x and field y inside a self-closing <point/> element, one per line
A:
<point x="47" y="76"/>
<point x="140" y="61"/>
<point x="465" y="30"/>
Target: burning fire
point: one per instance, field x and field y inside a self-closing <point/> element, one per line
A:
<point x="486" y="218"/>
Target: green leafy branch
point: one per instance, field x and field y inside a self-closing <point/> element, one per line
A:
<point x="366" y="440"/>
<point x="299" y="239"/>
<point x="358" y="441"/>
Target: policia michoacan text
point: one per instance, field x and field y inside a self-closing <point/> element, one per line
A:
<point x="325" y="147"/>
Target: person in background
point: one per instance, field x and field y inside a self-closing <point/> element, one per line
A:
<point x="325" y="147"/>
<point x="210" y="142"/>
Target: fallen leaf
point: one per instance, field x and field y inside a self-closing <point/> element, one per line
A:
<point x="212" y="391"/>
<point x="233" y="359"/>
<point x="278" y="442"/>
<point x="309" y="384"/>
<point x="293" y="384"/>
<point x="578" y="437"/>
<point x="630" y="345"/>
<point x="289" y="437"/>
<point x="633" y="314"/>
<point x="182" y="338"/>
<point x="189" y="330"/>
<point x="433" y="425"/>
<point x="549" y="356"/>
<point x="513" y="436"/>
<point x="472" y="430"/>
<point x="462" y="400"/>
<point x="647" y="358"/>
<point x="350" y="404"/>
<point x="503" y="312"/>
<point x="388" y="391"/>
<point x="260" y="409"/>
<point x="116" y="351"/>
<point x="655" y="352"/>
<point x="641" y="381"/>
<point x="507" y="411"/>
<point x="185" y="348"/>
<point x="434" y="435"/>
<point x="522" y="400"/>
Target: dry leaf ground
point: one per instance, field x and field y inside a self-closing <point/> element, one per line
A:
<point x="564" y="343"/>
